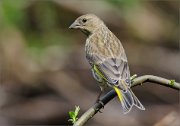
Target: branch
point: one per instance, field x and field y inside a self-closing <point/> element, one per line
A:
<point x="111" y="94"/>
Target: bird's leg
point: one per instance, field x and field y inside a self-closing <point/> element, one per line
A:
<point x="98" y="98"/>
<point x="99" y="95"/>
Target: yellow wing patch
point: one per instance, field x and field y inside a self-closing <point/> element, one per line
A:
<point x="98" y="72"/>
<point x="115" y="88"/>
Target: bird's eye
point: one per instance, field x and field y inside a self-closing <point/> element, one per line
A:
<point x="84" y="20"/>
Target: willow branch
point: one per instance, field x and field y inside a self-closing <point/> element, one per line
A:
<point x="111" y="94"/>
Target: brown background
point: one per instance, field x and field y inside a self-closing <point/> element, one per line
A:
<point x="44" y="73"/>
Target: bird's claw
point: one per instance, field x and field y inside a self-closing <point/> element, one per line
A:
<point x="102" y="104"/>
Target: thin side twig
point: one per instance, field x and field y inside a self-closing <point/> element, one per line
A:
<point x="111" y="94"/>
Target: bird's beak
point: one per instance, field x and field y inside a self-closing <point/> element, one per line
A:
<point x="74" y="25"/>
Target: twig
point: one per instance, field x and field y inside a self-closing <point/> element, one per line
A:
<point x="110" y="95"/>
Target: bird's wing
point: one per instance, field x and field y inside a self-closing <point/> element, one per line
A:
<point x="108" y="56"/>
<point x="113" y="69"/>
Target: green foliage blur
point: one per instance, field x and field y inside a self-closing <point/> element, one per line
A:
<point x="44" y="72"/>
<point x="40" y="27"/>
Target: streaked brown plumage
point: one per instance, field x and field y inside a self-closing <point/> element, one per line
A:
<point x="107" y="57"/>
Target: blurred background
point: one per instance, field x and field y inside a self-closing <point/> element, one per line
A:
<point x="44" y="73"/>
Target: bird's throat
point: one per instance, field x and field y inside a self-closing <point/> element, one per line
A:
<point x="86" y="32"/>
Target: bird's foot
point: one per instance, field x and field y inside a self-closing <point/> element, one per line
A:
<point x="102" y="104"/>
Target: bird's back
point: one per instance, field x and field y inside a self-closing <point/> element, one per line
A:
<point x="103" y="44"/>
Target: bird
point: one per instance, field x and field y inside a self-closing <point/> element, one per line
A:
<point x="107" y="58"/>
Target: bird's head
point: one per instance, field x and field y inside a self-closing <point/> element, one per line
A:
<point x="87" y="23"/>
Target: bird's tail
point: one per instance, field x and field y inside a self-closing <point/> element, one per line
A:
<point x="128" y="99"/>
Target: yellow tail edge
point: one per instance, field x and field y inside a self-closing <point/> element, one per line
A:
<point x="118" y="93"/>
